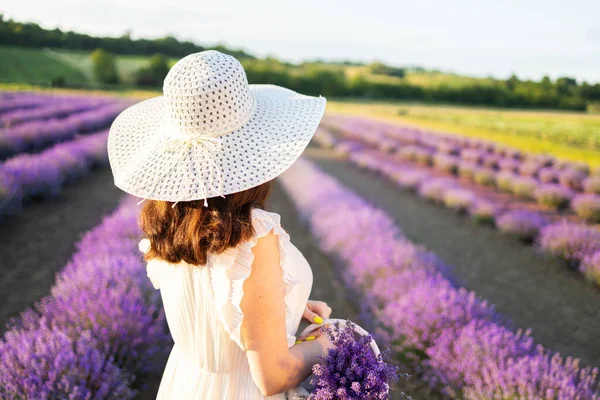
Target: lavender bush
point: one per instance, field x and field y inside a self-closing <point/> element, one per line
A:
<point x="459" y="199"/>
<point x="420" y="313"/>
<point x="485" y="177"/>
<point x="483" y="212"/>
<point x="570" y="241"/>
<point x="524" y="187"/>
<point x="36" y="135"/>
<point x="587" y="206"/>
<point x="523" y="224"/>
<point x="553" y="195"/>
<point x="592" y="184"/>
<point x="100" y="329"/>
<point x="590" y="267"/>
<point x="43" y="174"/>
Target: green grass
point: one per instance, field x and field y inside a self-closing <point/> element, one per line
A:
<point x="126" y="65"/>
<point x="566" y="135"/>
<point x="40" y="66"/>
<point x="22" y="65"/>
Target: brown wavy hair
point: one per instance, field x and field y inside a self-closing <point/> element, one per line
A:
<point x="189" y="231"/>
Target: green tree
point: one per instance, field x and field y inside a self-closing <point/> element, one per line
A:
<point x="105" y="69"/>
<point x="154" y="74"/>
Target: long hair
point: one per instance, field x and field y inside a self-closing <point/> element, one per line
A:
<point x="190" y="231"/>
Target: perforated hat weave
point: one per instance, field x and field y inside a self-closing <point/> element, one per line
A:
<point x="210" y="133"/>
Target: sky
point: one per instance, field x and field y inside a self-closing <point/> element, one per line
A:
<point x="531" y="38"/>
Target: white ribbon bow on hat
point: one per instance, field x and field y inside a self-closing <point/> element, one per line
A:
<point x="209" y="146"/>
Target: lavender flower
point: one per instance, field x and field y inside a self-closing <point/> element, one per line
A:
<point x="350" y="370"/>
<point x="48" y="363"/>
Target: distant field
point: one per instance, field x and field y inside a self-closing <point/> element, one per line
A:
<point x="572" y="136"/>
<point x="22" y="65"/>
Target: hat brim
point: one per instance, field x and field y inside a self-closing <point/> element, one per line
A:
<point x="145" y="165"/>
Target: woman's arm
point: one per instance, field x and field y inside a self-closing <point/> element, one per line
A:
<point x="275" y="368"/>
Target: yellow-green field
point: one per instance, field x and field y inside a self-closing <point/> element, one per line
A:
<point x="567" y="135"/>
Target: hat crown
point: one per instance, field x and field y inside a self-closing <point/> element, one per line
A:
<point x="207" y="94"/>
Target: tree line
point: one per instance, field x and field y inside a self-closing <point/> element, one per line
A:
<point x="314" y="78"/>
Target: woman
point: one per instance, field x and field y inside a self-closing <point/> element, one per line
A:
<point x="233" y="286"/>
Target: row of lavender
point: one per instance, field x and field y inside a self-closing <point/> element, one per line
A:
<point x="55" y="120"/>
<point x="35" y="175"/>
<point x="578" y="243"/>
<point x="449" y="336"/>
<point x="543" y="178"/>
<point x="96" y="335"/>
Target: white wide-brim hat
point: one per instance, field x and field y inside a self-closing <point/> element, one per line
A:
<point x="210" y="133"/>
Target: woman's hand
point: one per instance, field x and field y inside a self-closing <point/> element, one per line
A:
<point x="316" y="311"/>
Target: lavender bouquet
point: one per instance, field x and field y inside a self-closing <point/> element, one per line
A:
<point x="353" y="369"/>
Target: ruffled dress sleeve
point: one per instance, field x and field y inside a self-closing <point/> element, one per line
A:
<point x="231" y="268"/>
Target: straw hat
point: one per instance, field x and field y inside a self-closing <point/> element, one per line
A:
<point x="210" y="133"/>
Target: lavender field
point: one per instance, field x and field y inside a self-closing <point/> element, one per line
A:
<point x="477" y="265"/>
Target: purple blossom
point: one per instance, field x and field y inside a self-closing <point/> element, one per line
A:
<point x="351" y="370"/>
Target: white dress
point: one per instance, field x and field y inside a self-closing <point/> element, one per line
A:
<point x="202" y="307"/>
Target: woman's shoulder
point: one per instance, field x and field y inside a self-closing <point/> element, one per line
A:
<point x="265" y="222"/>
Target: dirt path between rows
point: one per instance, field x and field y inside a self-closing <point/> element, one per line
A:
<point x="532" y="290"/>
<point x="40" y="239"/>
